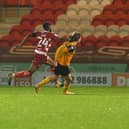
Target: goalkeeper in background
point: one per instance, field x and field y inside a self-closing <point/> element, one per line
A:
<point x="63" y="57"/>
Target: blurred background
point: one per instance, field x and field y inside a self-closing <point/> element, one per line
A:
<point x="104" y="25"/>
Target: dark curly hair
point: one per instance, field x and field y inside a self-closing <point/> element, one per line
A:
<point x="75" y="36"/>
<point x="47" y="26"/>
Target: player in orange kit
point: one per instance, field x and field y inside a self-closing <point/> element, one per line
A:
<point x="63" y="57"/>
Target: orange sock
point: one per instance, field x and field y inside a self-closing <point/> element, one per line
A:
<point x="66" y="87"/>
<point x="43" y="82"/>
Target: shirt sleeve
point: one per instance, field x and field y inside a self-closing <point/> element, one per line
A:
<point x="55" y="37"/>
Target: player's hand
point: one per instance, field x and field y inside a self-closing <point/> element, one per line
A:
<point x="55" y="64"/>
<point x="52" y="68"/>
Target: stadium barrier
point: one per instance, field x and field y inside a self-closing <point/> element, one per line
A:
<point x="4" y="70"/>
<point x="22" y="81"/>
<point x="81" y="79"/>
<point x="83" y="74"/>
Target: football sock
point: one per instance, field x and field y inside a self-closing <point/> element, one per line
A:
<point x="66" y="86"/>
<point x="43" y="82"/>
<point x="22" y="73"/>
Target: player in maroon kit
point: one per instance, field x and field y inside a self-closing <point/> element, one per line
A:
<point x="46" y="39"/>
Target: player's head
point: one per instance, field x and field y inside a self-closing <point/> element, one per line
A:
<point x="47" y="26"/>
<point x="75" y="36"/>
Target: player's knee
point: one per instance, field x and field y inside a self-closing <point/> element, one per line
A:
<point x="53" y="78"/>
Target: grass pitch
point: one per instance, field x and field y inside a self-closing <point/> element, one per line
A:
<point x="91" y="108"/>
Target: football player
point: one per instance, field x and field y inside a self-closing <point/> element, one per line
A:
<point x="63" y="57"/>
<point x="45" y="39"/>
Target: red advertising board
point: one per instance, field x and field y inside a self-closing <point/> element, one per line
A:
<point x="120" y="79"/>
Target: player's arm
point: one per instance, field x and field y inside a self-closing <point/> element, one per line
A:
<point x="59" y="39"/>
<point x="62" y="39"/>
<point x="57" y="55"/>
<point x="25" y="38"/>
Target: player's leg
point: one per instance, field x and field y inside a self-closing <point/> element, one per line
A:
<point x="65" y="71"/>
<point x="28" y="72"/>
<point x="68" y="79"/>
<point x="36" y="63"/>
<point x="45" y="81"/>
<point x="24" y="73"/>
<point x="53" y="77"/>
<point x="52" y="63"/>
<point x="57" y="82"/>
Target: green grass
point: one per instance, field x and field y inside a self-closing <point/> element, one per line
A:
<point x="92" y="108"/>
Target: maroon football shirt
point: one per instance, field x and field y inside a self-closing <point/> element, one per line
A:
<point x="45" y="40"/>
